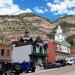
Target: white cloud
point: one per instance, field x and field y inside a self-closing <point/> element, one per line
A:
<point x="40" y="10"/>
<point x="56" y="1"/>
<point x="23" y="11"/>
<point x="7" y="7"/>
<point x="62" y="7"/>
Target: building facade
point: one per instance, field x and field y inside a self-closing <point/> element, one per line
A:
<point x="51" y="52"/>
<point x="28" y="50"/>
<point x="58" y="47"/>
<point x="5" y="53"/>
<point x="39" y="51"/>
<point x="63" y="47"/>
<point x="22" y="49"/>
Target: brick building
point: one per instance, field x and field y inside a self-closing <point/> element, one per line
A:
<point x="58" y="48"/>
<point x="51" y="53"/>
<point x="63" y="47"/>
<point x="5" y="53"/>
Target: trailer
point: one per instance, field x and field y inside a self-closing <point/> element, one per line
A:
<point x="21" y="53"/>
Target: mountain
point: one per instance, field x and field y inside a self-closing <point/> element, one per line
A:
<point x="13" y="27"/>
<point x="67" y="24"/>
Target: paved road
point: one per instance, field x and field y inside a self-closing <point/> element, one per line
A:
<point x="69" y="73"/>
<point x="68" y="70"/>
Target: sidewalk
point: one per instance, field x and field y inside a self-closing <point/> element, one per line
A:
<point x="39" y="68"/>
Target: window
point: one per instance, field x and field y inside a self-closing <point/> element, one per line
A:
<point x="8" y="52"/>
<point x="40" y="49"/>
<point x="2" y="52"/>
<point x="34" y="49"/>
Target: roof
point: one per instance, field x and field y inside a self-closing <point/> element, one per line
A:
<point x="63" y="43"/>
<point x="19" y="43"/>
<point x="4" y="45"/>
<point x="38" y="40"/>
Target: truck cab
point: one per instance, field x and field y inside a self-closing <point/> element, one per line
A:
<point x="27" y="66"/>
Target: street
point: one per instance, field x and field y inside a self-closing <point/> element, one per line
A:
<point x="67" y="70"/>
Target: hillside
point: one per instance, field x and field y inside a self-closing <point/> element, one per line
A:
<point x="67" y="24"/>
<point x="13" y="27"/>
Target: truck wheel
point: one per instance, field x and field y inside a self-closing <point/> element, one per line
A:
<point x="33" y="70"/>
<point x="14" y="74"/>
<point x="17" y="67"/>
<point x="0" y="73"/>
<point x="26" y="71"/>
<point x="8" y="72"/>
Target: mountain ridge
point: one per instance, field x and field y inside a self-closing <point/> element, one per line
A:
<point x="13" y="27"/>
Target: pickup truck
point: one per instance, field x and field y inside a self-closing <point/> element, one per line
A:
<point x="16" y="68"/>
<point x="27" y="66"/>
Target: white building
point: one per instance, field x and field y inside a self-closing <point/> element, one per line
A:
<point x="22" y="49"/>
<point x="21" y="53"/>
<point x="59" y="36"/>
<point x="63" y="47"/>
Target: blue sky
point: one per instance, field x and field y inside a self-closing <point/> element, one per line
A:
<point x="51" y="9"/>
<point x="39" y="5"/>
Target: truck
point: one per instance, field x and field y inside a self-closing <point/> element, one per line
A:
<point x="10" y="68"/>
<point x="16" y="68"/>
<point x="27" y="66"/>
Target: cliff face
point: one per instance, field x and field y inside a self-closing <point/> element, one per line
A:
<point x="13" y="27"/>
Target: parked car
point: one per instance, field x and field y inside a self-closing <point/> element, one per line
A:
<point x="63" y="62"/>
<point x="70" y="62"/>
<point x="47" y="65"/>
<point x="56" y="64"/>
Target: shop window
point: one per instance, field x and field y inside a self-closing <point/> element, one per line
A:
<point x="2" y="52"/>
<point x="8" y="52"/>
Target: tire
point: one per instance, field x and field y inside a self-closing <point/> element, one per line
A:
<point x="17" y="67"/>
<point x="12" y="74"/>
<point x="45" y="67"/>
<point x="33" y="70"/>
<point x="8" y="72"/>
<point x="0" y="73"/>
<point x="26" y="71"/>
